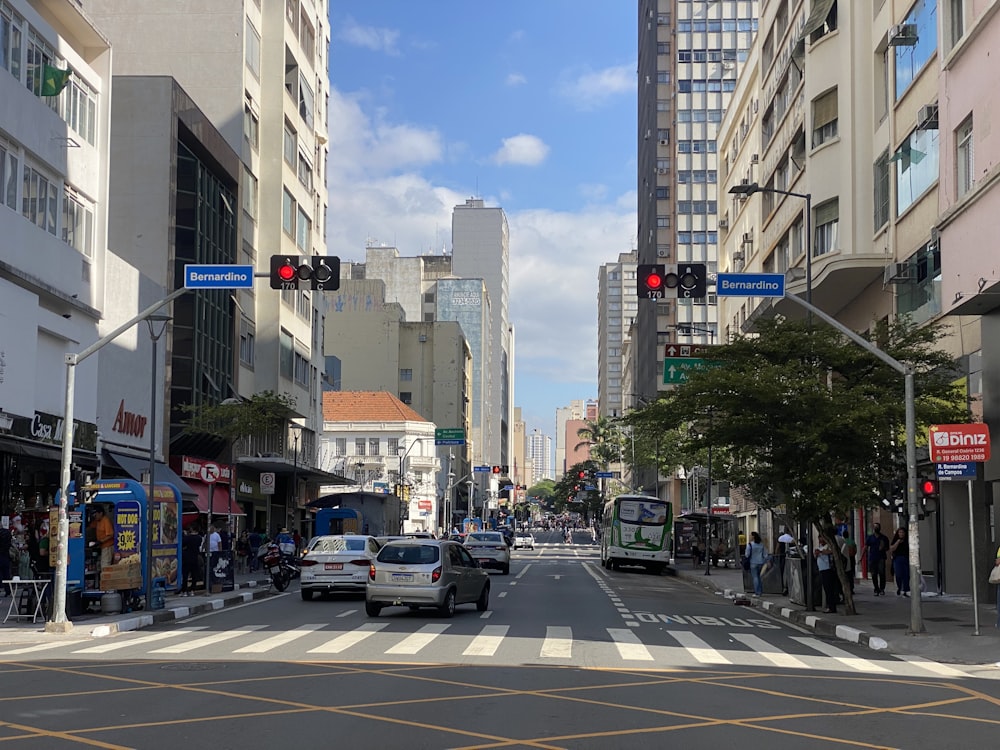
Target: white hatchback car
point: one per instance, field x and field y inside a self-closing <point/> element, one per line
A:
<point x="490" y="549"/>
<point x="337" y="563"/>
<point x="524" y="540"/>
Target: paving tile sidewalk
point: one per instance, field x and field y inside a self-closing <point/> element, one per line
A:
<point x="881" y="622"/>
<point x="248" y="587"/>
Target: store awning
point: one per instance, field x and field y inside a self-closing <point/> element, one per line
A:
<point x="48" y="452"/>
<point x="817" y="17"/>
<point x="221" y="503"/>
<point x="137" y="468"/>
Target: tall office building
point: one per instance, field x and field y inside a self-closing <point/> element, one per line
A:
<point x="481" y="249"/>
<point x="616" y="309"/>
<point x="690" y="54"/>
<point x="539" y="448"/>
<point x="262" y="82"/>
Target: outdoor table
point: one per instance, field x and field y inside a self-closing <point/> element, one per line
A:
<point x="39" y="585"/>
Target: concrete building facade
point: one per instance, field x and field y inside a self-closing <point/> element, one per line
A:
<point x="617" y="305"/>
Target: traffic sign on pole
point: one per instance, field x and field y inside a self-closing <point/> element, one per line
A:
<point x="449" y="436"/>
<point x="677" y="369"/>
<point x="217" y="276"/>
<point x="750" y="285"/>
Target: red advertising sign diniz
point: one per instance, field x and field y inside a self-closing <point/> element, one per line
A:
<point x="959" y="443"/>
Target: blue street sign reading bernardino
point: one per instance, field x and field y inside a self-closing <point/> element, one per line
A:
<point x="750" y="285"/>
<point x="218" y="276"/>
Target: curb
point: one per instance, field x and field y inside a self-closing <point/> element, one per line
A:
<point x="799" y="617"/>
<point x="172" y="614"/>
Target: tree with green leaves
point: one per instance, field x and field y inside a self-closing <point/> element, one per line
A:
<point x="803" y="419"/>
<point x="263" y="413"/>
<point x="603" y="438"/>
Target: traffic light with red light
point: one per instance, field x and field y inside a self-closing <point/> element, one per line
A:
<point x="929" y="489"/>
<point x="688" y="279"/>
<point x="650" y="281"/>
<point x="496" y="469"/>
<point x="320" y="272"/>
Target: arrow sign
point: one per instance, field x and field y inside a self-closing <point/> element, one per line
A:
<point x="687" y="350"/>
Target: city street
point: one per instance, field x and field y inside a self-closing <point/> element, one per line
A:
<point x="568" y="655"/>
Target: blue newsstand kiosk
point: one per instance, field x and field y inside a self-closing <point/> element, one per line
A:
<point x="125" y="502"/>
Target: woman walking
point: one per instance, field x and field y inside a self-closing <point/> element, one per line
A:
<point x="899" y="550"/>
<point x="757" y="555"/>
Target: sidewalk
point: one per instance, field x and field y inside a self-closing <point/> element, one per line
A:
<point x="248" y="587"/>
<point x="882" y="622"/>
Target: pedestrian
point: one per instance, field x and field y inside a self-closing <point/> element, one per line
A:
<point x="255" y="539"/>
<point x="6" y="545"/>
<point x="104" y="534"/>
<point x="996" y="564"/>
<point x="849" y="550"/>
<point x="756" y="553"/>
<point x="190" y="561"/>
<point x="875" y="550"/>
<point x="213" y="543"/>
<point x="899" y="550"/>
<point x="827" y="574"/>
<point x="243" y="552"/>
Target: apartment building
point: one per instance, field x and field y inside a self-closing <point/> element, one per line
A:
<point x="55" y="85"/>
<point x="617" y="305"/>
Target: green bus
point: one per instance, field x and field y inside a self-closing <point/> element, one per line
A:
<point x="636" y="530"/>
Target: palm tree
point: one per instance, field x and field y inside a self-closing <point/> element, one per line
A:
<point x="604" y="439"/>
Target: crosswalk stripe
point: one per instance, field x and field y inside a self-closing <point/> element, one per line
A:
<point x="698" y="648"/>
<point x="629" y="646"/>
<point x="118" y="645"/>
<point x="39" y="647"/>
<point x="933" y="666"/>
<point x="765" y="649"/>
<point x="351" y="638"/>
<point x="208" y="640"/>
<point x="281" y="639"/>
<point x="487" y="642"/>
<point x="558" y="643"/>
<point x="416" y="641"/>
<point x="844" y="657"/>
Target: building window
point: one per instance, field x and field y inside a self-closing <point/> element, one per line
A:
<point x="78" y="107"/>
<point x="303" y="230"/>
<point x="248" y="341"/>
<point x="253" y="50"/>
<point x="406" y="397"/>
<point x="964" y="173"/>
<point x="916" y="167"/>
<point x="881" y="190"/>
<point x="826" y="218"/>
<point x="373" y="447"/>
<point x="305" y="172"/>
<point x="39" y="54"/>
<point x="39" y="199"/>
<point x="405" y="374"/>
<point x="824" y="117"/>
<point x="287" y="212"/>
<point x="251" y="126"/>
<point x="910" y="57"/>
<point x="290" y="148"/>
<point x="392" y="446"/>
<point x="662" y="222"/>
<point x="286" y="354"/>
<point x="306" y="103"/>
<point x="955" y="21"/>
<point x="10" y="41"/>
<point x="663" y="76"/>
<point x="8" y="177"/>
<point x="428" y="296"/>
<point x="301" y="370"/>
<point x="662" y="193"/>
<point x="307" y="35"/>
<point x="359" y="446"/>
<point x="920" y="298"/>
<point x="78" y="223"/>
<point x="340" y="446"/>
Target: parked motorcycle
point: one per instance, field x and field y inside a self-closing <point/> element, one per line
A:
<point x="281" y="569"/>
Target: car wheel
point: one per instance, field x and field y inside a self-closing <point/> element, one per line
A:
<point x="506" y="569"/>
<point x="307" y="595"/>
<point x="372" y="609"/>
<point x="447" y="608"/>
<point x="483" y="602"/>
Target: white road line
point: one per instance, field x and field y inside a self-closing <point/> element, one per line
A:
<point x="39" y="647"/>
<point x="351" y="638"/>
<point x="487" y="642"/>
<point x="698" y="648"/>
<point x="486" y="615"/>
<point x="558" y="643"/>
<point x="844" y="657"/>
<point x="501" y="595"/>
<point x="765" y="649"/>
<point x="523" y="571"/>
<point x="347" y="612"/>
<point x="269" y="644"/>
<point x="933" y="666"/>
<point x="629" y="645"/>
<point x="208" y="640"/>
<point x="126" y="642"/>
<point x="416" y="641"/>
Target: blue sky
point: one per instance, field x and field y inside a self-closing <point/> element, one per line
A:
<point x="528" y="104"/>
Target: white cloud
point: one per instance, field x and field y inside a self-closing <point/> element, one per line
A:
<point x="515" y="79"/>
<point x="369" y="37"/>
<point x="528" y="150"/>
<point x="590" y="89"/>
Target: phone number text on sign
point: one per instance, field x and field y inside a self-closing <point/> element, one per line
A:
<point x="957" y="443"/>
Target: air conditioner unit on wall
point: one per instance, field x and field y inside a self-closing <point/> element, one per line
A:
<point x="723" y="223"/>
<point x="662" y="253"/>
<point x="754" y="158"/>
<point x="661" y="170"/>
<point x="927" y="117"/>
<point x="903" y="35"/>
<point x="897" y="273"/>
<point x="664" y="142"/>
<point x="747" y="238"/>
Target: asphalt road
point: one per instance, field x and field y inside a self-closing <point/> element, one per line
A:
<point x="569" y="655"/>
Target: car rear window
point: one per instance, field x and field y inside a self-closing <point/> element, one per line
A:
<point x="337" y="544"/>
<point x="411" y="554"/>
<point x="482" y="537"/>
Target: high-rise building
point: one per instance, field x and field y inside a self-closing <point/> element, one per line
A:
<point x="539" y="448"/>
<point x="577" y="409"/>
<point x="690" y="54"/>
<point x="481" y="249"/>
<point x="616" y="309"/>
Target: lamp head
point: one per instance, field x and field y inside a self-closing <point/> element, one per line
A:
<point x="744" y="189"/>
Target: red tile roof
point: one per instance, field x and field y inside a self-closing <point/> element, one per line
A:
<point x="366" y="406"/>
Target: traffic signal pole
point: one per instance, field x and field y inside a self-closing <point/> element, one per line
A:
<point x="59" y="623"/>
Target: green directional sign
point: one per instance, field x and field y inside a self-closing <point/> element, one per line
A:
<point x="677" y="369"/>
<point x="449" y="436"/>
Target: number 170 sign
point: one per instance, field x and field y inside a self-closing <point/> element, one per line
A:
<point x="957" y="443"/>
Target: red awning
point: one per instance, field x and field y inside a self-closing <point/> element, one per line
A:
<point x="221" y="503"/>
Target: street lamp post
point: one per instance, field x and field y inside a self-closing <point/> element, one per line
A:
<point x="748" y="190"/>
<point x="155" y="333"/>
<point x="296" y="434"/>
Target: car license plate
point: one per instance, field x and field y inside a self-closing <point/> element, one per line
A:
<point x="333" y="566"/>
<point x="482" y="560"/>
<point x="402" y="577"/>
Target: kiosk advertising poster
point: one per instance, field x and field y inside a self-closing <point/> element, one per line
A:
<point x="127" y="530"/>
<point x="164" y="529"/>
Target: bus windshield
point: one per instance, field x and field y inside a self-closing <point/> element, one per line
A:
<point x="643" y="512"/>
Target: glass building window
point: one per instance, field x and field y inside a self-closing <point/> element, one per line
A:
<point x="910" y="58"/>
<point x="8" y="177"/>
<point x="881" y="202"/>
<point x="39" y="199"/>
<point x="827" y="219"/>
<point x="248" y="340"/>
<point x="916" y="167"/>
<point x="253" y="50"/>
<point x="78" y="223"/>
<point x="290" y="145"/>
<point x="964" y="162"/>
<point x="287" y="212"/>
<point x="824" y="112"/>
<point x="286" y="354"/>
<point x="10" y="41"/>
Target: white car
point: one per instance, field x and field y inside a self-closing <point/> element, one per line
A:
<point x="490" y="550"/>
<point x="337" y="563"/>
<point x="524" y="540"/>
